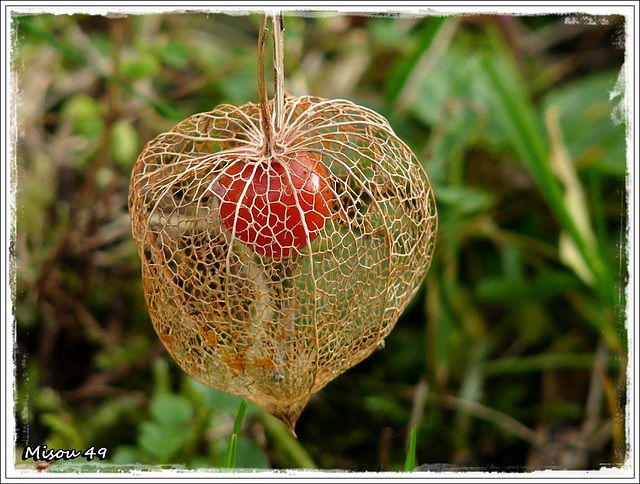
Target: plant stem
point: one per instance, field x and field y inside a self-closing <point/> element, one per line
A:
<point x="278" y="68"/>
<point x="267" y="126"/>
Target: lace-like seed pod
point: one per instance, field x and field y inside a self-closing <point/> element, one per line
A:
<point x="267" y="275"/>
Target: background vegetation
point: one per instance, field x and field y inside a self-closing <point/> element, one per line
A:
<point x="511" y="357"/>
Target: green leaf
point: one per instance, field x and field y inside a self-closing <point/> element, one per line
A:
<point x="175" y="55"/>
<point x="112" y="412"/>
<point x="466" y="200"/>
<point x="84" y="114"/>
<point x="125" y="454"/>
<point x="221" y="401"/>
<point x="448" y="94"/>
<point x="586" y="112"/>
<point x="161" y="442"/>
<point x="125" y="144"/>
<point x="502" y="290"/>
<point x="170" y="410"/>
<point x="386" y="32"/>
<point x="239" y="84"/>
<point x="424" y="39"/>
<point x="64" y="432"/>
<point x="549" y="284"/>
<point x="541" y="287"/>
<point x="140" y="66"/>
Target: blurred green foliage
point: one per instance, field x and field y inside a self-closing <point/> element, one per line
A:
<point x="512" y="356"/>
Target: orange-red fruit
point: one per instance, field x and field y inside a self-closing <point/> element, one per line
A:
<point x="278" y="206"/>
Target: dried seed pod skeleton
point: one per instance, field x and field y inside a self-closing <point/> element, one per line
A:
<point x="280" y="241"/>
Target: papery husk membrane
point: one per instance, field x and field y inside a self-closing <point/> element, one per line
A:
<point x="275" y="331"/>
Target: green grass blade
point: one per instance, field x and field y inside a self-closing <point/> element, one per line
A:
<point x="519" y="119"/>
<point x="230" y="459"/>
<point x="410" y="462"/>
<point x="286" y="444"/>
<point x="546" y="361"/>
<point x="239" y="416"/>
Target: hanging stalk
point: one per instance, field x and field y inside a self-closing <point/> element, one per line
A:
<point x="271" y="126"/>
<point x="278" y="69"/>
<point x="267" y="126"/>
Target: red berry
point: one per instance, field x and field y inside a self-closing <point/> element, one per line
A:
<point x="277" y="206"/>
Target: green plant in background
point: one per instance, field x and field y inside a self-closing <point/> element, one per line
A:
<point x="410" y="462"/>
<point x="513" y="354"/>
<point x="481" y="108"/>
<point x="177" y="423"/>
